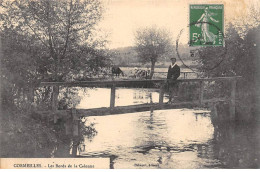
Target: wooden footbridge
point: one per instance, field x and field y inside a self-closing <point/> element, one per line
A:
<point x="76" y="114"/>
<point x="71" y="117"/>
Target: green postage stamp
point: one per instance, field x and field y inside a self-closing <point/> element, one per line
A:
<point x="206" y="25"/>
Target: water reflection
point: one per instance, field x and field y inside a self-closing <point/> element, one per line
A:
<point x="177" y="138"/>
<point x="164" y="139"/>
<point x="100" y="97"/>
<point x="236" y="145"/>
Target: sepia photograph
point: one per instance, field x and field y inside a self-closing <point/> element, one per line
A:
<point x="129" y="84"/>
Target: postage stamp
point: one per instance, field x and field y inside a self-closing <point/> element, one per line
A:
<point x="206" y="25"/>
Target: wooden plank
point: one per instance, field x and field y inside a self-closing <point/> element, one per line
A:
<point x="129" y="83"/>
<point x="133" y="108"/>
<point x="161" y="95"/>
<point x="104" y="83"/>
<point x="136" y="108"/>
<point x="54" y="98"/>
<point x="112" y="96"/>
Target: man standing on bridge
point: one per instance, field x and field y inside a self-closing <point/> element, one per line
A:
<point x="173" y="74"/>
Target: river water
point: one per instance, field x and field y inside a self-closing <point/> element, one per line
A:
<point x="176" y="138"/>
<point x="100" y="97"/>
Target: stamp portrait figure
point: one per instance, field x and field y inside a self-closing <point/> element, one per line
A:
<point x="206" y="34"/>
<point x="206" y="25"/>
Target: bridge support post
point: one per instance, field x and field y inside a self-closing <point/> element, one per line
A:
<point x="72" y="124"/>
<point x="161" y="94"/>
<point x="112" y="96"/>
<point x="75" y="119"/>
<point x="201" y="93"/>
<point x="54" y="101"/>
<point x="75" y="131"/>
<point x="54" y="98"/>
<point x="233" y="99"/>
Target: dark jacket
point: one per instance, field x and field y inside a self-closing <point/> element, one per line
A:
<point x="173" y="73"/>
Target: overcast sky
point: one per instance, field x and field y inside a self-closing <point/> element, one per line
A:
<point x="123" y="17"/>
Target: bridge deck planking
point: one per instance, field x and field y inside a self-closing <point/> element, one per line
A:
<point x="103" y="111"/>
<point x="142" y="108"/>
<point x="129" y="83"/>
<point x="131" y="109"/>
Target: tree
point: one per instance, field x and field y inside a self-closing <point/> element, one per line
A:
<point x="50" y="40"/>
<point x="240" y="59"/>
<point x="219" y="61"/>
<point x="43" y="40"/>
<point x="151" y="44"/>
<point x="62" y="29"/>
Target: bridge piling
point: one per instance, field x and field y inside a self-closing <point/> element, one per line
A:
<point x="75" y="127"/>
<point x="54" y="101"/>
<point x="54" y="98"/>
<point x="75" y="131"/>
<point x="112" y="96"/>
<point x="161" y="94"/>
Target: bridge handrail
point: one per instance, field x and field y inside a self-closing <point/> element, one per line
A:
<point x="115" y="82"/>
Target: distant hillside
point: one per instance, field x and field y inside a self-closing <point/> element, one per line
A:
<point x="127" y="56"/>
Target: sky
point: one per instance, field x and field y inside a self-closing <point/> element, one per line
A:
<point x="123" y="17"/>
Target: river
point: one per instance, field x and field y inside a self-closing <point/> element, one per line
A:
<point x="100" y="97"/>
<point x="177" y="138"/>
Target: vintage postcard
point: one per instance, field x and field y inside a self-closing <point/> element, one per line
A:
<point x="129" y="84"/>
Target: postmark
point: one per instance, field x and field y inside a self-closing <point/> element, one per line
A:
<point x="206" y="24"/>
<point x="194" y="51"/>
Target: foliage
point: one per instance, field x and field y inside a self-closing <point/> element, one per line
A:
<point x="151" y="44"/>
<point x="69" y="98"/>
<point x="60" y="31"/>
<point x="23" y="136"/>
<point x="128" y="57"/>
<point x="45" y="40"/>
<point x="240" y="59"/>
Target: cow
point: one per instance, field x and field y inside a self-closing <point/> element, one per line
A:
<point x="117" y="71"/>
